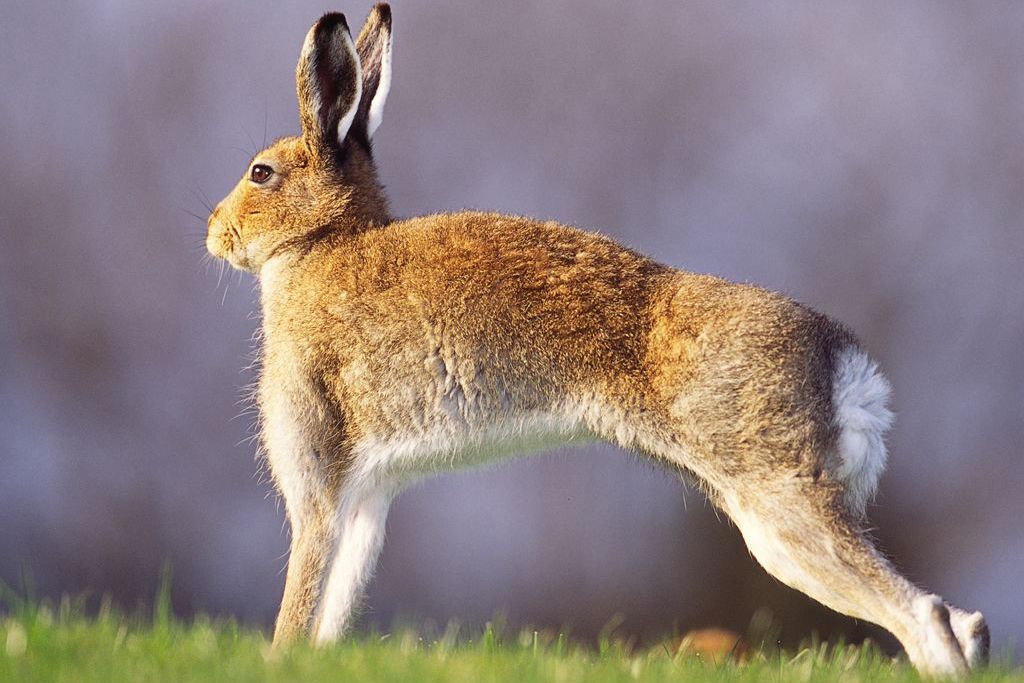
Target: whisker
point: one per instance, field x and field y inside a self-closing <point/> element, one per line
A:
<point x="264" y="123"/>
<point x="207" y="201"/>
<point x="249" y="155"/>
<point x="220" y="274"/>
<point x="201" y="198"/>
<point x="194" y="215"/>
<point x="205" y="263"/>
<point x="253" y="142"/>
<point x="224" y="296"/>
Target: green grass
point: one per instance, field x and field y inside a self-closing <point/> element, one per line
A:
<point x="41" y="642"/>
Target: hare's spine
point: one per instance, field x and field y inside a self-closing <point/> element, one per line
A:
<point x="860" y="397"/>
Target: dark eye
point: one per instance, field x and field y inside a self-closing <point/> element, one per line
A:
<point x="260" y="173"/>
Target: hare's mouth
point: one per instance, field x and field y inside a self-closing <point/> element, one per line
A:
<point x="234" y="253"/>
<point x="224" y="241"/>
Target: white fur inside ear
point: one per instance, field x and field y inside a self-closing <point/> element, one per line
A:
<point x="376" y="114"/>
<point x="346" y="120"/>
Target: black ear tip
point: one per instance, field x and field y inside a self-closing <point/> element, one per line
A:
<point x="383" y="12"/>
<point x="332" y="20"/>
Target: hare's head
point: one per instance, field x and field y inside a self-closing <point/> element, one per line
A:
<point x="323" y="181"/>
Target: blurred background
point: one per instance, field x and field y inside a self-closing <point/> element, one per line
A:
<point x="867" y="159"/>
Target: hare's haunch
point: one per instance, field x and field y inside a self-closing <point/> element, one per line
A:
<point x="397" y="348"/>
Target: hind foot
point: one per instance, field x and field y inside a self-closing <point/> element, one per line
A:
<point x="972" y="634"/>
<point x="937" y="652"/>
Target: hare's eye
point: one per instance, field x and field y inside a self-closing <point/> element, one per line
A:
<point x="260" y="173"/>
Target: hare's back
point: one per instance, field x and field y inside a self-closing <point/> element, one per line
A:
<point x="537" y="304"/>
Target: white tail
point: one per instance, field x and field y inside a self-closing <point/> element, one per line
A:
<point x="860" y="395"/>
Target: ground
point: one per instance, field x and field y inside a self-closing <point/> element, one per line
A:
<point x="42" y="642"/>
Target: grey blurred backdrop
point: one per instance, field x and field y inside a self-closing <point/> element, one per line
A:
<point x="865" y="158"/>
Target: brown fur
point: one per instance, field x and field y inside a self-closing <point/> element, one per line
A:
<point x="375" y="327"/>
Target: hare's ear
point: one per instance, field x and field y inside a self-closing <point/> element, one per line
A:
<point x="328" y="82"/>
<point x="374" y="48"/>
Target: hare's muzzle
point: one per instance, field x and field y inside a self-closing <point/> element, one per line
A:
<point x="224" y="238"/>
<point x="218" y="234"/>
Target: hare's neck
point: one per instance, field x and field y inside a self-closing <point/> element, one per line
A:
<point x="365" y="205"/>
<point x="274" y="273"/>
<point x="277" y="294"/>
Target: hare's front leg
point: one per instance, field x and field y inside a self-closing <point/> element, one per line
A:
<point x="308" y="497"/>
<point x="360" y="520"/>
<point x="307" y="561"/>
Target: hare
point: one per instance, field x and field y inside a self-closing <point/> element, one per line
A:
<point x="395" y="348"/>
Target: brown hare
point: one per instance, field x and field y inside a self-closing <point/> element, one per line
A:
<point x="393" y="349"/>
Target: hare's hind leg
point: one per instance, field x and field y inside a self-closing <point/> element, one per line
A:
<point x="801" y="532"/>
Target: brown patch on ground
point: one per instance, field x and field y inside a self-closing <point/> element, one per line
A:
<point x="714" y="645"/>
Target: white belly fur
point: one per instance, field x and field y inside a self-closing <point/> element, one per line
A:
<point x="451" y="445"/>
